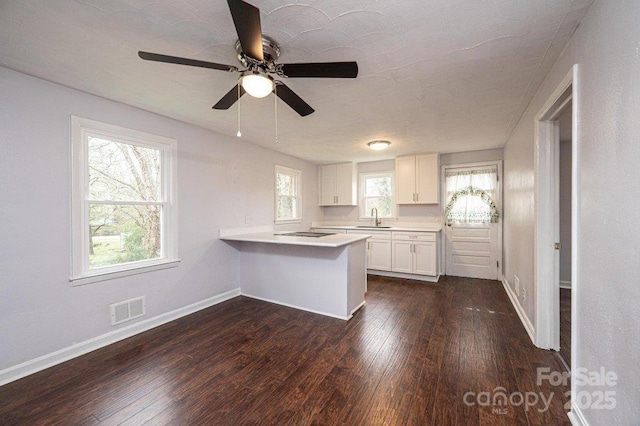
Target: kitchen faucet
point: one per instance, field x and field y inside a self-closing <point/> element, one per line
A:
<point x="378" y="222"/>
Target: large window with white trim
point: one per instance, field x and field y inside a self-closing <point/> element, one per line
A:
<point x="288" y="190"/>
<point x="123" y="199"/>
<point x="376" y="192"/>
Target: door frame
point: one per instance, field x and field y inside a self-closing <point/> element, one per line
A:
<point x="547" y="227"/>
<point x="443" y="203"/>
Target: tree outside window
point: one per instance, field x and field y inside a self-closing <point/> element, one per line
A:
<point x="377" y="192"/>
<point x="124" y="217"/>
<point x="124" y="202"/>
<point x="288" y="207"/>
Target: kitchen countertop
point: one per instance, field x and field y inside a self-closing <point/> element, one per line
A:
<point x="335" y="240"/>
<point x="432" y="228"/>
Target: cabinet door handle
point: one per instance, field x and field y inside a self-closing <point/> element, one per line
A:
<point x="337" y="199"/>
<point x="417" y="197"/>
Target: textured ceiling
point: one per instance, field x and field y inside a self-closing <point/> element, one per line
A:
<point x="435" y="75"/>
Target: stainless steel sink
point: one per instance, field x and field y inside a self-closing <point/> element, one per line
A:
<point x="373" y="227"/>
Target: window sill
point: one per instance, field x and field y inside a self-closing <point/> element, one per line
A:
<point x="96" y="276"/>
<point x="284" y="222"/>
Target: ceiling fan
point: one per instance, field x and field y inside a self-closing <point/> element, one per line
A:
<point x="259" y="56"/>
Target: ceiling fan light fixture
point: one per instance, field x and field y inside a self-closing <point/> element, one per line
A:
<point x="257" y="85"/>
<point x="379" y="145"/>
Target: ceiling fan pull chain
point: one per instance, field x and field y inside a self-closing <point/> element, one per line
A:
<point x="239" y="134"/>
<point x="275" y="101"/>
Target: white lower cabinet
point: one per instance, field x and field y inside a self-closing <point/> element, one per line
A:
<point x="402" y="257"/>
<point x="414" y="253"/>
<point x="378" y="249"/>
<point x="424" y="260"/>
<point x="408" y="252"/>
<point x="379" y="256"/>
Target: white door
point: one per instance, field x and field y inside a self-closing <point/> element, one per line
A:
<point x="473" y="220"/>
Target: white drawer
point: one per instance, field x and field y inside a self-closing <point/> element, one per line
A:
<point x="414" y="236"/>
<point x="378" y="235"/>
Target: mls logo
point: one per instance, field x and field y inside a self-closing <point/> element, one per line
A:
<point x="500" y="411"/>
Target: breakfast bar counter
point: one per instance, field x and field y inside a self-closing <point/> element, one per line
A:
<point x="324" y="274"/>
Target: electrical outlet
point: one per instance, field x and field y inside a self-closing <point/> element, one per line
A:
<point x="247" y="220"/>
<point x="516" y="284"/>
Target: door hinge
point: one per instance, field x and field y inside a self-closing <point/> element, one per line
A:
<point x="497" y="263"/>
<point x="558" y="246"/>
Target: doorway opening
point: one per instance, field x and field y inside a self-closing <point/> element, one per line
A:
<point x="564" y="228"/>
<point x="473" y="219"/>
<point x="555" y="218"/>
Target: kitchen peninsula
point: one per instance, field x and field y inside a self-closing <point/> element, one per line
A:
<point x="324" y="274"/>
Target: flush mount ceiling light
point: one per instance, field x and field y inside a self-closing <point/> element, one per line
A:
<point x="257" y="85"/>
<point x="379" y="145"/>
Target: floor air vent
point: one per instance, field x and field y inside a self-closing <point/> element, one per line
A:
<point x="127" y="310"/>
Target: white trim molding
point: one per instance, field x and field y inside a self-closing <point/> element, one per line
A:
<point x="546" y="168"/>
<point x="565" y="284"/>
<point x="82" y="129"/>
<point x="526" y="322"/>
<point x="54" y="358"/>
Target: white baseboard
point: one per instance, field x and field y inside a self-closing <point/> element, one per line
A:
<point x="264" y="299"/>
<point x="520" y="311"/>
<point x="565" y="284"/>
<point x="49" y="360"/>
<point x="426" y="278"/>
<point x="576" y="416"/>
<point x="358" y="307"/>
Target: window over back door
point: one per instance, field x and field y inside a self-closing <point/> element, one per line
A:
<point x="123" y="209"/>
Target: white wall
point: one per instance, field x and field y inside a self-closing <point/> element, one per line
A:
<point x="606" y="289"/>
<point x="407" y="213"/>
<point x="220" y="181"/>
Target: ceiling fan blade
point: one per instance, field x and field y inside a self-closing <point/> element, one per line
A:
<point x="247" y="21"/>
<point x="293" y="100"/>
<point x="322" y="69"/>
<point x="230" y="98"/>
<point x="147" y="56"/>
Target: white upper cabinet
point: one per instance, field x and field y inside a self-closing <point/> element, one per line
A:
<point x="338" y="185"/>
<point x="417" y="179"/>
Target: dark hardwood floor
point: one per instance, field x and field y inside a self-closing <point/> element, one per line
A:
<point x="565" y="325"/>
<point x="411" y="356"/>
